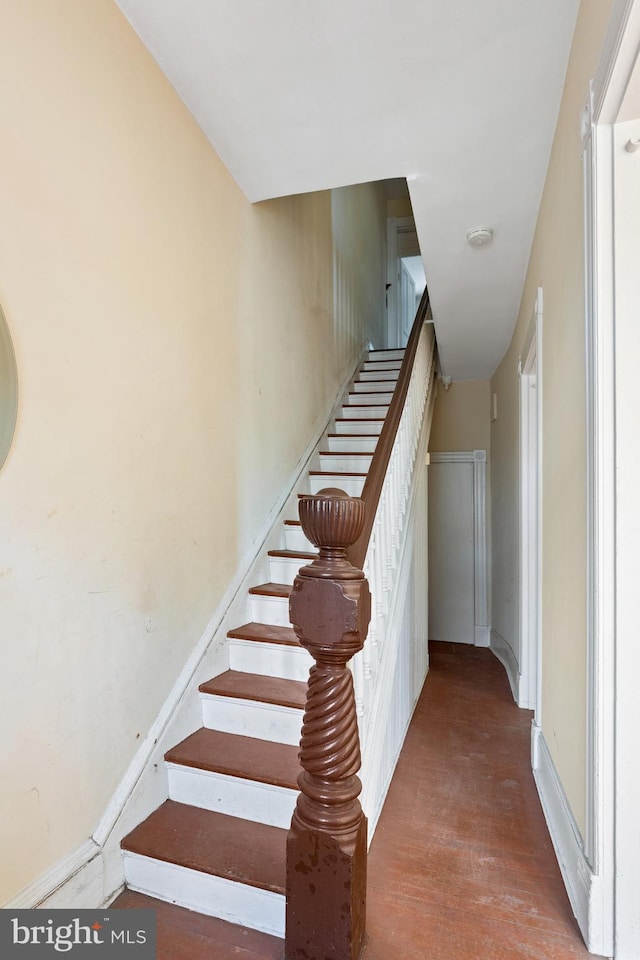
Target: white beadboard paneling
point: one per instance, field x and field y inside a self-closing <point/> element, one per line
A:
<point x="390" y="670"/>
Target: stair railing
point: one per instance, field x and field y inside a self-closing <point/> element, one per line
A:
<point x="362" y="544"/>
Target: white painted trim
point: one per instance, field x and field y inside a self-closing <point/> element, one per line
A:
<point x="252" y="718"/>
<point x="530" y="510"/>
<point x="503" y="652"/>
<point x="480" y="558"/>
<point x="564" y="832"/>
<point x="617" y="60"/>
<point x="599" y="298"/>
<point x="611" y="921"/>
<point x="480" y="588"/>
<point x="251" y="800"/>
<point x="394" y="226"/>
<point x="75" y="881"/>
<point x="206" y="893"/>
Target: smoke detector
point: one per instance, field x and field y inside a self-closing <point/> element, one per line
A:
<point x="480" y="237"/>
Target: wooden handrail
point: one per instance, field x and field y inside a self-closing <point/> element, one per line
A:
<point x="377" y="471"/>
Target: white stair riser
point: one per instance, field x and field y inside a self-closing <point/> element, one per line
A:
<point x="270" y="659"/>
<point x="369" y="412"/>
<point x="393" y="353"/>
<point x="358" y="463"/>
<point x="374" y="375"/>
<point x="373" y="386"/>
<point x="295" y="539"/>
<point x="346" y="444"/>
<point x="372" y="366"/>
<point x="351" y="485"/>
<point x="345" y="427"/>
<point x="284" y="570"/>
<point x="249" y="718"/>
<point x="234" y="796"/>
<point x="204" y="893"/>
<point x="369" y="398"/>
<point x="273" y="610"/>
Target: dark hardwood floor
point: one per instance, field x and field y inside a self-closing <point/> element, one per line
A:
<point x="461" y="866"/>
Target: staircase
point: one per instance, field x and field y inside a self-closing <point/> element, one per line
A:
<point x="217" y="845"/>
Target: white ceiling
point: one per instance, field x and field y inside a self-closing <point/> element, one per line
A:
<point x="459" y="96"/>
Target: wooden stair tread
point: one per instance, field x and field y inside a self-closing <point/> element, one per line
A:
<point x="294" y="554"/>
<point x="365" y="393"/>
<point x="265" y="632"/>
<point x="213" y="843"/>
<point x="335" y="473"/>
<point x="358" y="420"/>
<point x="381" y="380"/>
<point x="381" y="369"/>
<point x="254" y="686"/>
<point x="237" y="756"/>
<point x="186" y="935"/>
<point x="271" y="590"/>
<point x="353" y="436"/>
<point x="345" y="453"/>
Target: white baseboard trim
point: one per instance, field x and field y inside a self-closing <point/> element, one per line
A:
<point x="482" y="636"/>
<point x="565" y="835"/>
<point x="75" y="881"/>
<point x="502" y="650"/>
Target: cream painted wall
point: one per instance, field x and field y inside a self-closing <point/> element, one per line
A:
<point x="461" y="417"/>
<point x="176" y="347"/>
<point x="399" y="207"/>
<point x="556" y="264"/>
<point x="8" y="388"/>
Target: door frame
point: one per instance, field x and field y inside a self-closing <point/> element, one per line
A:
<point x="530" y="483"/>
<point x="480" y="555"/>
<point x="396" y="227"/>
<point x="613" y="710"/>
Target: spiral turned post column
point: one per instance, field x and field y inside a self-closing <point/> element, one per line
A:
<point x="330" y="608"/>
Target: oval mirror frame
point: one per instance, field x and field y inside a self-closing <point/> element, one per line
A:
<point x="8" y="389"/>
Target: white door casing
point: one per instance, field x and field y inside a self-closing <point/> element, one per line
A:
<point x="529" y="653"/>
<point x="612" y="214"/>
<point x="407" y="303"/>
<point x="402" y="241"/>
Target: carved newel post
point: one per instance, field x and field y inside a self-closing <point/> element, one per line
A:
<point x="327" y="844"/>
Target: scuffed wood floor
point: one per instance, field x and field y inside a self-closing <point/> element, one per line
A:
<point x="462" y="866"/>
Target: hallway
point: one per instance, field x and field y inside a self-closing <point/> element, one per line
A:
<point x="461" y="866"/>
